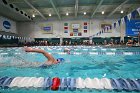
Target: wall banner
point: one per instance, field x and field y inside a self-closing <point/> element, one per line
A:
<point x="132" y="27"/>
<point x="46" y="28"/>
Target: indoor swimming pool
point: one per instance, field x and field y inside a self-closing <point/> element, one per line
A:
<point x="83" y="64"/>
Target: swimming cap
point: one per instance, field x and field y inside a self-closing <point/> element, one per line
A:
<point x="60" y="59"/>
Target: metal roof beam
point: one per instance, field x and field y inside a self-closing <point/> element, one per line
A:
<point x="15" y="1"/>
<point x="35" y="9"/>
<point x="55" y="9"/>
<point x="19" y="1"/>
<point x="100" y="3"/>
<point x="117" y="8"/>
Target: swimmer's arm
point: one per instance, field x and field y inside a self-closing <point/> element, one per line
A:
<point x="46" y="54"/>
<point x="29" y="49"/>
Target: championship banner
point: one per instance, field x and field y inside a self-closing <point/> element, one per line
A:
<point x="75" y="28"/>
<point x="7" y="25"/>
<point x="85" y="27"/>
<point x="46" y="28"/>
<point x="132" y="27"/>
<point x="106" y="27"/>
<point x="79" y="34"/>
<point x="66" y="28"/>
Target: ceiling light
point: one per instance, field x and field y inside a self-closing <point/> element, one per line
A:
<point x="85" y="13"/>
<point x="67" y="14"/>
<point x="121" y="11"/>
<point x="103" y="12"/>
<point x="50" y="14"/>
<point x="33" y="15"/>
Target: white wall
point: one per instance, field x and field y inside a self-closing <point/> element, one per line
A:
<point x="26" y="29"/>
<point x="32" y="29"/>
<point x="12" y="28"/>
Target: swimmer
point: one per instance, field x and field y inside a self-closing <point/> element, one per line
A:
<point x="129" y="43"/>
<point x="51" y="60"/>
<point x="67" y="50"/>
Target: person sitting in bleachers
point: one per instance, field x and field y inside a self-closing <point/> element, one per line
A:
<point x="129" y="43"/>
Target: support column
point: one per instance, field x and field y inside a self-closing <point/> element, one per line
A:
<point x="139" y="38"/>
<point x="61" y="41"/>
<point x="90" y="32"/>
<point x="122" y="31"/>
<point x="61" y="32"/>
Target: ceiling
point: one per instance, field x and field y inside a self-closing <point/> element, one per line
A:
<point x="58" y="9"/>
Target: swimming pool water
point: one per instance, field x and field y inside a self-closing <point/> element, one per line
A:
<point x="84" y="61"/>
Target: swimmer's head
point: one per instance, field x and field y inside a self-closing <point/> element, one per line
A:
<point x="59" y="60"/>
<point x="66" y="50"/>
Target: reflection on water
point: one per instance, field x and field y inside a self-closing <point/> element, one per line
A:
<point x="84" y="65"/>
<point x="18" y="63"/>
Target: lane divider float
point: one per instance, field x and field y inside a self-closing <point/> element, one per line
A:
<point x="71" y="84"/>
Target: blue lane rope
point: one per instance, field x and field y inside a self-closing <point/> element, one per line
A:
<point x="124" y="84"/>
<point x="7" y="82"/>
<point x="134" y="84"/>
<point x="2" y="79"/>
<point x="63" y="85"/>
<point x="71" y="83"/>
<point x="116" y="85"/>
<point x="47" y="83"/>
